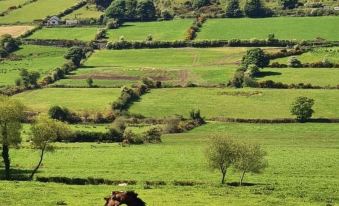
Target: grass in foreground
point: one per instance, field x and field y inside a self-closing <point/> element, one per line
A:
<point x="75" y="33"/>
<point x="33" y="58"/>
<point x="302" y="168"/>
<point x="160" y="30"/>
<point x="282" y="27"/>
<point x="235" y="103"/>
<point x="79" y="100"/>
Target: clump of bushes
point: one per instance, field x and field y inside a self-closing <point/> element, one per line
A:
<point x="63" y="114"/>
<point x="7" y="45"/>
<point x="197" y="24"/>
<point x="179" y="124"/>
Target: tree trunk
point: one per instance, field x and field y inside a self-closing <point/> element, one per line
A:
<point x="5" y="156"/>
<point x="40" y="161"/>
<point x="242" y="178"/>
<point x="5" y="152"/>
<point x="223" y="177"/>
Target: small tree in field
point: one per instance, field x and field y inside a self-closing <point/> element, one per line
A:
<point x="257" y="57"/>
<point x="302" y="108"/>
<point x="11" y="113"/>
<point x="221" y="154"/>
<point x="44" y="132"/>
<point x="250" y="158"/>
<point x="89" y="82"/>
<point x="75" y="54"/>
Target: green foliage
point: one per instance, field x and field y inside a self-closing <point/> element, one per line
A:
<point x="116" y="9"/>
<point x="146" y="10"/>
<point x="289" y="4"/>
<point x="29" y="78"/>
<point x="8" y="43"/>
<point x="197" y="4"/>
<point x="153" y="135"/>
<point x="221" y="154"/>
<point x="11" y="114"/>
<point x="257" y="57"/>
<point x="75" y="54"/>
<point x="89" y="82"/>
<point x="302" y="108"/>
<point x="255" y="9"/>
<point x="294" y="62"/>
<point x="250" y="158"/>
<point x="196" y="116"/>
<point x="59" y="113"/>
<point x="233" y="9"/>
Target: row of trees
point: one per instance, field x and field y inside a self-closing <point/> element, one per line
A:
<point x="224" y="152"/>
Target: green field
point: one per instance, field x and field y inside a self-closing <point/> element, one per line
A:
<point x="75" y="33"/>
<point x="302" y="169"/>
<point x="79" y="100"/>
<point x="5" y="4"/>
<point x="33" y="58"/>
<point x="214" y="102"/>
<point x="37" y="10"/>
<point x="314" y="76"/>
<point x="85" y="12"/>
<point x="160" y="30"/>
<point x="316" y="55"/>
<point x="301" y="28"/>
<point x="174" y="66"/>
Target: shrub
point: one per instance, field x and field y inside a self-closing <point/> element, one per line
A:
<point x="255" y="9"/>
<point x="153" y="135"/>
<point x="89" y="82"/>
<point x="29" y="78"/>
<point x="59" y="113"/>
<point x="166" y="14"/>
<point x="112" y="24"/>
<point x="294" y="62"/>
<point x="75" y="54"/>
<point x="233" y="9"/>
<point x="289" y="4"/>
<point x="196" y="116"/>
<point x="302" y="108"/>
<point x="146" y="10"/>
<point x="255" y="56"/>
<point x="172" y="125"/>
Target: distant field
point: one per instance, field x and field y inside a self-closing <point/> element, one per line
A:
<point x="85" y="12"/>
<point x="92" y="100"/>
<point x="300" y="28"/>
<point x="15" y="31"/>
<point x="174" y="66"/>
<point x="33" y="58"/>
<point x="319" y="54"/>
<point x="37" y="10"/>
<point x="5" y="4"/>
<point x="297" y="154"/>
<point x="75" y="33"/>
<point x="226" y="103"/>
<point x="160" y="30"/>
<point x="314" y="76"/>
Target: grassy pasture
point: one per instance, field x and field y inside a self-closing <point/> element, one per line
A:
<point x="74" y="33"/>
<point x="302" y="168"/>
<point x="314" y="76"/>
<point x="33" y="58"/>
<point x="160" y="30"/>
<point x="315" y="55"/>
<point x="301" y="28"/>
<point x="5" y="4"/>
<point x="92" y="100"/>
<point x="85" y="12"/>
<point x="174" y="66"/>
<point x="15" y="31"/>
<point x="228" y="103"/>
<point x="37" y="10"/>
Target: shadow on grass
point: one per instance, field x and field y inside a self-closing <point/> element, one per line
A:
<point x="17" y="174"/>
<point x="244" y="184"/>
<point x="268" y="73"/>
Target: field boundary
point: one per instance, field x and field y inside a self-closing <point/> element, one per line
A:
<point x="12" y="8"/>
<point x="273" y="121"/>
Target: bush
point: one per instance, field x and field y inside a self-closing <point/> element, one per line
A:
<point x="196" y="116"/>
<point x="75" y="54"/>
<point x="257" y="57"/>
<point x="197" y="4"/>
<point x="59" y="113"/>
<point x="166" y="14"/>
<point x="233" y="9"/>
<point x="255" y="9"/>
<point x="112" y="24"/>
<point x="302" y="108"/>
<point x="153" y="135"/>
<point x="146" y="10"/>
<point x="294" y="62"/>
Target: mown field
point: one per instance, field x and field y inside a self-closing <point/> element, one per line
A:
<point x="33" y="58"/>
<point x="36" y="11"/>
<point x="75" y="33"/>
<point x="77" y="99"/>
<point x="160" y="30"/>
<point x="235" y="103"/>
<point x="14" y="31"/>
<point x="303" y="28"/>
<point x="5" y="4"/>
<point x="173" y="66"/>
<point x="302" y="168"/>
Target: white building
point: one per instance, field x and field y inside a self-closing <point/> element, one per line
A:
<point x="54" y="20"/>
